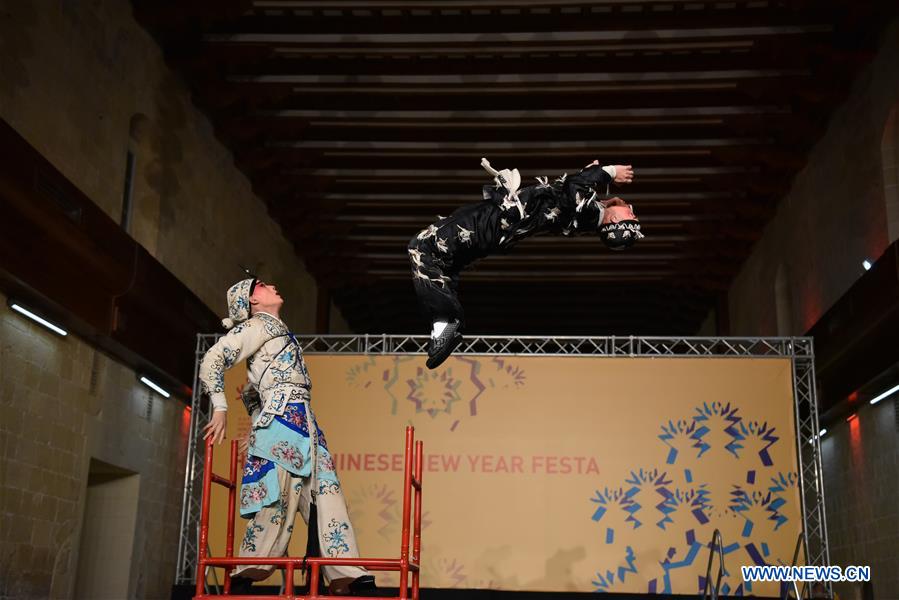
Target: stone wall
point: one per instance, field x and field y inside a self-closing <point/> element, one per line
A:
<point x="61" y="403"/>
<point x="84" y="84"/>
<point x="841" y="210"/>
<point x="889" y="151"/>
<point x="336" y="322"/>
<point x="832" y="219"/>
<point x="861" y="468"/>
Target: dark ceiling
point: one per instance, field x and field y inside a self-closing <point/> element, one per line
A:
<point x="358" y="121"/>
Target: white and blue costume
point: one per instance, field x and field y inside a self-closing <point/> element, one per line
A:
<point x="288" y="455"/>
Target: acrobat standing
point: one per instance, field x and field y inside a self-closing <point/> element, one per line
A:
<point x="288" y="464"/>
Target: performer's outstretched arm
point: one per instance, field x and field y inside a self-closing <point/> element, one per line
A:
<point x="594" y="176"/>
<point x="238" y="344"/>
<point x="582" y="190"/>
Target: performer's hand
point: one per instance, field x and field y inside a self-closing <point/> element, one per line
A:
<point x="244" y="446"/>
<point x="216" y="427"/>
<point x="624" y="173"/>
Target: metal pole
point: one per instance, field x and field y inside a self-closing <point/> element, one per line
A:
<point x="416" y="540"/>
<point x="232" y="502"/>
<point x="818" y="462"/>
<point x="797" y="400"/>
<point x="183" y="560"/>
<point x="404" y="541"/>
<point x="204" y="519"/>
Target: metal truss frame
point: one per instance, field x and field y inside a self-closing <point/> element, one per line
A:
<point x="799" y="350"/>
<point x="191" y="502"/>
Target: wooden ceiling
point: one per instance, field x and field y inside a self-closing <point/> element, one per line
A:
<point x="358" y="121"/>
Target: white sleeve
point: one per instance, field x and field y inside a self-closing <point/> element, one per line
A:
<point x="238" y="344"/>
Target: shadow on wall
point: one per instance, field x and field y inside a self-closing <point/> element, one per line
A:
<point x="17" y="21"/>
<point x="165" y="145"/>
<point x="166" y="151"/>
<point x="889" y="153"/>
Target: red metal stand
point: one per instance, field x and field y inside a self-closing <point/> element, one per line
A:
<point x="405" y="564"/>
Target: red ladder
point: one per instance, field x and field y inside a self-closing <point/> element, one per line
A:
<point x="404" y="564"/>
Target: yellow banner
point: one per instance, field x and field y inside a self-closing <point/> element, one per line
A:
<point x="566" y="473"/>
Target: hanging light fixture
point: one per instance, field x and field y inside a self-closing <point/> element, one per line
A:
<point x="154" y="386"/>
<point x="37" y="318"/>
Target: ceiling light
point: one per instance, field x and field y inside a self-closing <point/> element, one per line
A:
<point x="154" y="387"/>
<point x="38" y="319"/>
<point x="889" y="392"/>
<point x="866" y="264"/>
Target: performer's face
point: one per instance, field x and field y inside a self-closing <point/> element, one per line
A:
<point x="618" y="210"/>
<point x="266" y="294"/>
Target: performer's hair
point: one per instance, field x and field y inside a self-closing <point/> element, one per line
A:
<point x="250" y="295"/>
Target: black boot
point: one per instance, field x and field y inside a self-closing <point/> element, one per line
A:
<point x="365" y="586"/>
<point x="361" y="586"/>
<point x="241" y="585"/>
<point x="440" y="348"/>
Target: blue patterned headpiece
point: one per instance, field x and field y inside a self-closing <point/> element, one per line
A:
<point x="239" y="302"/>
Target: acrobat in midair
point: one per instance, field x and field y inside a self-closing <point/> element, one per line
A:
<point x="569" y="205"/>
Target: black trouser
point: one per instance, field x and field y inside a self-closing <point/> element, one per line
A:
<point x="436" y="282"/>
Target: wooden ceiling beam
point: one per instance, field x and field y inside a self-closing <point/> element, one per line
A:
<point x="549" y="245"/>
<point x="549" y="311"/>
<point x="197" y="15"/>
<point x="664" y="291"/>
<point x="223" y="98"/>
<point x="650" y="217"/>
<point x="581" y="276"/>
<point x="599" y="257"/>
<point x="532" y="158"/>
<point x="510" y="309"/>
<point x="476" y="293"/>
<point x="406" y="323"/>
<point x="626" y="16"/>
<point x="716" y="105"/>
<point x="380" y="240"/>
<point x="345" y="128"/>
<point x="597" y="37"/>
<point x="240" y="61"/>
<point x="301" y="191"/>
<point x="559" y="269"/>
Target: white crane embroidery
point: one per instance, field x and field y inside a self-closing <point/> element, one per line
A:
<point x="464" y="234"/>
<point x="415" y="255"/>
<point x="431" y="231"/>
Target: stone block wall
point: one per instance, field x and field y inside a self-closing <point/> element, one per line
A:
<point x="61" y="403"/>
<point x="841" y="210"/>
<point x="861" y="467"/>
<point x="84" y="84"/>
<point x="834" y="216"/>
